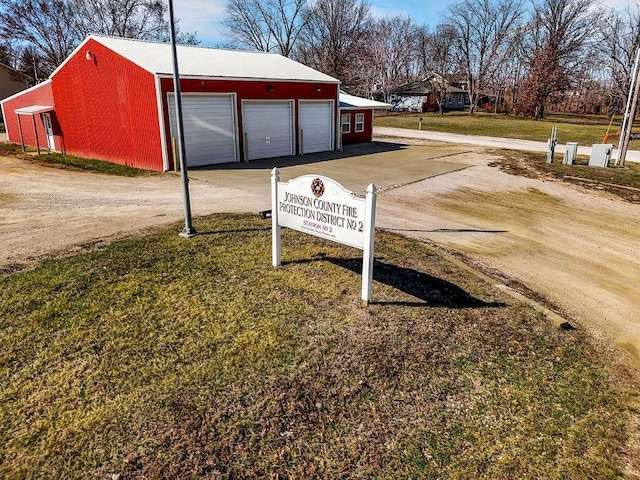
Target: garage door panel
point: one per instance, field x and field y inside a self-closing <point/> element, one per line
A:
<point x="269" y="129"/>
<point x="209" y="129"/>
<point x="316" y="123"/>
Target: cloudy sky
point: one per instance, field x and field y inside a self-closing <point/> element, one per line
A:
<point x="204" y="16"/>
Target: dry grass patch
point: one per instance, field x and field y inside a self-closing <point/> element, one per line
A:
<point x="59" y="160"/>
<point x="161" y="357"/>
<point x="622" y="181"/>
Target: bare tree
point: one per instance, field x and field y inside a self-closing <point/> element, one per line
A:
<point x="619" y="41"/>
<point x="141" y="19"/>
<point x="555" y="48"/>
<point x="55" y="27"/>
<point x="144" y="19"/>
<point x="391" y="60"/>
<point x="505" y="78"/>
<point x="436" y="60"/>
<point x="333" y="38"/>
<point x="49" y="25"/>
<point x="483" y="29"/>
<point x="265" y="25"/>
<point x="8" y="54"/>
<point x="31" y="65"/>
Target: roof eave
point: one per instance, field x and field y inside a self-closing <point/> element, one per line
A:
<point x="248" y="79"/>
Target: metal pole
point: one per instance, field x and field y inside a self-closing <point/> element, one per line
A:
<point x="188" y="230"/>
<point x="275" y="226"/>
<point x="35" y="130"/>
<point x="629" y="113"/>
<point x="35" y="70"/>
<point x="21" y="135"/>
<point x="369" y="233"/>
<point x="552" y="144"/>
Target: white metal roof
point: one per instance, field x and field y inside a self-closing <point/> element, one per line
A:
<point x="351" y="101"/>
<point x="33" y="109"/>
<point x="195" y="61"/>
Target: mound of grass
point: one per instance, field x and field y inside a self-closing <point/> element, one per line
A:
<point x="92" y="165"/>
<point x="10" y="149"/>
<point x="160" y="357"/>
<point x="69" y="161"/>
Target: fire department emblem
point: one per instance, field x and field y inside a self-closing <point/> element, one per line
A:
<point x="317" y="187"/>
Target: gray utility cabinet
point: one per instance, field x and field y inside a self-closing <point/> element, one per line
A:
<point x="570" y="152"/>
<point x="600" y="155"/>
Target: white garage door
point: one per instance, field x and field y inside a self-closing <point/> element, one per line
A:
<point x="268" y="127"/>
<point x="316" y="123"/>
<point x="209" y="128"/>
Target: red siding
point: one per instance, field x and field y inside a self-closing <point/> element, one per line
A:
<point x="107" y="109"/>
<point x="251" y="90"/>
<point x="366" y="135"/>
<point x="39" y="95"/>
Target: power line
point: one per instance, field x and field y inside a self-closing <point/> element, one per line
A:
<point x="607" y="6"/>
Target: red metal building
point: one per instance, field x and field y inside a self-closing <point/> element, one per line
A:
<point x="112" y="99"/>
<point x="356" y="118"/>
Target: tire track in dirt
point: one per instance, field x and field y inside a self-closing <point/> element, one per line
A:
<point x="579" y="250"/>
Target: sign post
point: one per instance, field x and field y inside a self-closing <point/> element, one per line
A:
<point x="322" y="207"/>
<point x="369" y="228"/>
<point x="275" y="225"/>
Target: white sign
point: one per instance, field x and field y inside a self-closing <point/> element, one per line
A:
<point x="322" y="207"/>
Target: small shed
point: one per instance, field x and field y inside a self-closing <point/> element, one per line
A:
<point x="356" y="118"/>
<point x="113" y="99"/>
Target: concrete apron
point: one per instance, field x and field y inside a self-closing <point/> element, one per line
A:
<point x="384" y="164"/>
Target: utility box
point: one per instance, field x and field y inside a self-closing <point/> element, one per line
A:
<point x="600" y="155"/>
<point x="570" y="152"/>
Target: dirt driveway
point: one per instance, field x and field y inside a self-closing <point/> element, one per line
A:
<point x="579" y="249"/>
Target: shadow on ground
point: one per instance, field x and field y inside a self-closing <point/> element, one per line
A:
<point x="349" y="151"/>
<point x="445" y="230"/>
<point x="240" y="230"/>
<point x="431" y="291"/>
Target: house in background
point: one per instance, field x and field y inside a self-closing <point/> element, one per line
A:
<point x="112" y="99"/>
<point x="356" y="118"/>
<point x="422" y="96"/>
<point x="11" y="81"/>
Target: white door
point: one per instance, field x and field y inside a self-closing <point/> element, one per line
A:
<point x="316" y="126"/>
<point x="209" y="128"/>
<point x="48" y="128"/>
<point x="268" y="129"/>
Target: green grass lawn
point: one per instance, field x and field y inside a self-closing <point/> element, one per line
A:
<point x="586" y="130"/>
<point x="161" y="357"/>
<point x="69" y="161"/>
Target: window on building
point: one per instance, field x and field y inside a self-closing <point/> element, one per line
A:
<point x="346" y="123"/>
<point x="359" y="123"/>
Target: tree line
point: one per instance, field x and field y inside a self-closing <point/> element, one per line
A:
<point x="37" y="35"/>
<point x="526" y="55"/>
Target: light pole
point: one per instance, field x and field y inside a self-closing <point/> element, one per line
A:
<point x="630" y="112"/>
<point x="188" y="230"/>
